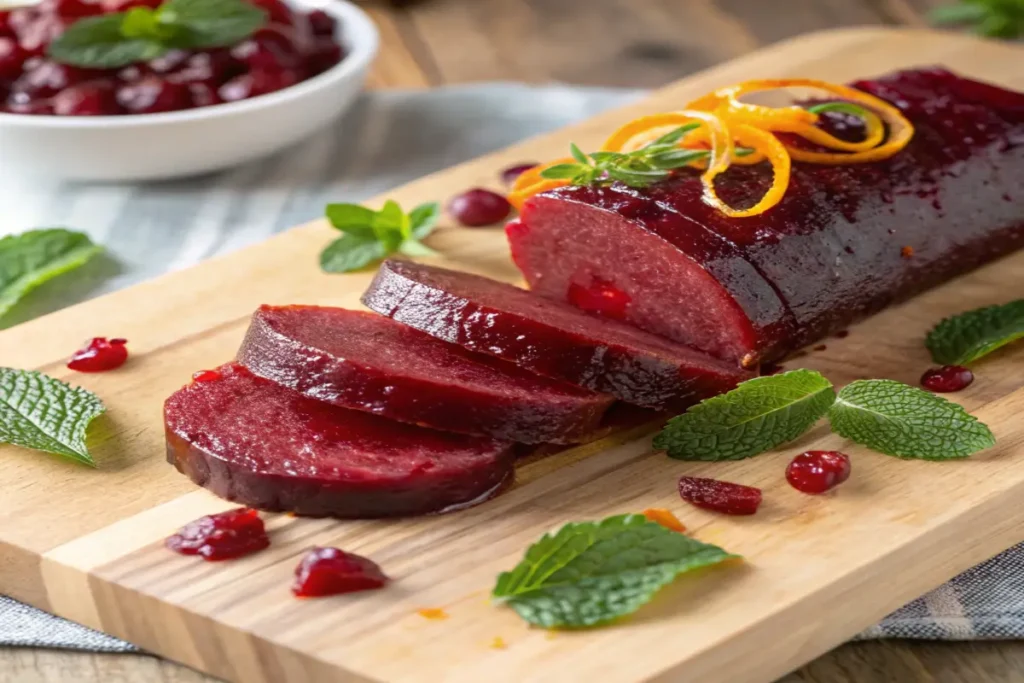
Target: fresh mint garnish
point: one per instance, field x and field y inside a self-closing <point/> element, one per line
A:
<point x="755" y="417"/>
<point x="32" y="258"/>
<point x="45" y="414"/>
<point x="995" y="18"/>
<point x="590" y="573"/>
<point x="371" y="236"/>
<point x="967" y="337"/>
<point x="640" y="168"/>
<point x="906" y="422"/>
<point x="122" y="38"/>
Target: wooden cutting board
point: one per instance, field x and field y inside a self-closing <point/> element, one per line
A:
<point x="87" y="545"/>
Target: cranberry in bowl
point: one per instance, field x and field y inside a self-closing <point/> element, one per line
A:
<point x="196" y="101"/>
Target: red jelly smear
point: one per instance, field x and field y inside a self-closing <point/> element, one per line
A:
<point x="818" y="471"/>
<point x="100" y="355"/>
<point x="600" y="297"/>
<point x="206" y="376"/>
<point x="509" y="175"/>
<point x="223" y="536"/>
<point x="478" y="207"/>
<point x="947" y="379"/>
<point x="720" y="496"/>
<point x="329" y="571"/>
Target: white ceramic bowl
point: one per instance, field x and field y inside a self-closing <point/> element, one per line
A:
<point x="194" y="141"/>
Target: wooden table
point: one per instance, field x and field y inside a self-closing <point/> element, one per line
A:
<point x="635" y="43"/>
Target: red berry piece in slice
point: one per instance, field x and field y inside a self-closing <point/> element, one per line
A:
<point x="224" y="536"/>
<point x="100" y="355"/>
<point x="947" y="379"/>
<point x="509" y="175"/>
<point x="818" y="471"/>
<point x="206" y="376"/>
<point x="329" y="571"/>
<point x="600" y="297"/>
<point x="720" y="496"/>
<point x="478" y="207"/>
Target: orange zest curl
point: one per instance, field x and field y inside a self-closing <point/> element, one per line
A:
<point x="735" y="132"/>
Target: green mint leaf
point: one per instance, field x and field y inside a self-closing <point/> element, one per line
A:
<point x="564" y="171"/>
<point x="906" y="422"/>
<point x="755" y="417"/>
<point x="967" y="337"/>
<point x="590" y="573"/>
<point x="45" y="414"/>
<point x="98" y="43"/>
<point x="210" y="23"/>
<point x="578" y="154"/>
<point x="414" y="248"/>
<point x="963" y="13"/>
<point x="32" y="258"/>
<point x="350" y="252"/>
<point x="604" y="157"/>
<point x="391" y="225"/>
<point x="423" y="219"/>
<point x="142" y="22"/>
<point x="352" y="219"/>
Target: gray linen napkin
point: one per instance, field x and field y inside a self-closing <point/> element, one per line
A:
<point x="388" y="138"/>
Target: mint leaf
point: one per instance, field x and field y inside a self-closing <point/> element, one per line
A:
<point x="32" y="258"/>
<point x="589" y="573"/>
<point x="967" y="337"/>
<point x="755" y="417"/>
<point x="210" y="23"/>
<point x="351" y="252"/>
<point x="45" y="414"/>
<point x="415" y="248"/>
<point x="99" y="43"/>
<point x="351" y="219"/>
<point x="391" y="225"/>
<point x="423" y="219"/>
<point x="906" y="422"/>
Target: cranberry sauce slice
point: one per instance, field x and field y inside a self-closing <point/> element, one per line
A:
<point x="329" y="571"/>
<point x="223" y="536"/>
<point x="100" y="355"/>
<point x="818" y="471"/>
<point x="947" y="379"/>
<point x="720" y="496"/>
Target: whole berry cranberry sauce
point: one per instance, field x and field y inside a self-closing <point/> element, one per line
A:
<point x="293" y="46"/>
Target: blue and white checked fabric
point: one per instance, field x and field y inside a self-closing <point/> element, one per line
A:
<point x="387" y="139"/>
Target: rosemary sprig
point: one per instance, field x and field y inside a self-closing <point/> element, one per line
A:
<point x="993" y="18"/>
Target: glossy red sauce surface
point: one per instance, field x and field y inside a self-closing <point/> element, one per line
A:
<point x="223" y="536"/>
<point x="329" y="571"/>
<point x="818" y="471"/>
<point x="100" y="355"/>
<point x="947" y="379"/>
<point x="600" y="297"/>
<point x="720" y="496"/>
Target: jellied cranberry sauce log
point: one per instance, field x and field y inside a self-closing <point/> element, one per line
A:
<point x="267" y="446"/>
<point x="549" y="338"/>
<point x="369" y="362"/>
<point x="845" y="241"/>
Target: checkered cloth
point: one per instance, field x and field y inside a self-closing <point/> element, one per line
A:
<point x="385" y="140"/>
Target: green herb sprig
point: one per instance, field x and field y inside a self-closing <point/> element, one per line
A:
<point x="590" y="573"/>
<point x="640" y="168"/>
<point x="993" y="18"/>
<point x="371" y="236"/>
<point x="118" y="39"/>
<point x="965" y="338"/>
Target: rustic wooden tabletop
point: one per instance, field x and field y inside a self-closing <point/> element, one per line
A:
<point x="635" y="43"/>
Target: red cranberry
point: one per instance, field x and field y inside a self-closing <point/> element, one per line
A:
<point x="203" y="95"/>
<point x="818" y="471"/>
<point x="12" y="59"/>
<point x="71" y="9"/>
<point x="262" y="54"/>
<point x="88" y="99"/>
<point x="257" y="83"/>
<point x="212" y="68"/>
<point x="509" y="175"/>
<point x="130" y="74"/>
<point x="322" y="23"/>
<point x="33" y="107"/>
<point x="6" y="29"/>
<point x="152" y="95"/>
<point x="168" y="61"/>
<point x="323" y="55"/>
<point x="277" y="11"/>
<point x="329" y="571"/>
<point x="947" y="379"/>
<point x="36" y="35"/>
<point x="46" y="78"/>
<point x="110" y="6"/>
<point x="720" y="496"/>
<point x="222" y="536"/>
<point x="601" y="297"/>
<point x="477" y="207"/>
<point x="100" y="355"/>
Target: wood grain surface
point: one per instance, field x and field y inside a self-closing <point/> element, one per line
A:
<point x="400" y="64"/>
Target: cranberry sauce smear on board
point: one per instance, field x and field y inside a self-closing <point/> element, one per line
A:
<point x="292" y="47"/>
<point x="752" y="289"/>
<point x="549" y="338"/>
<point x="266" y="446"/>
<point x="223" y="536"/>
<point x="369" y="362"/>
<point x="329" y="571"/>
<point x="100" y="355"/>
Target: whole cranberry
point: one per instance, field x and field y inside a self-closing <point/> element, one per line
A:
<point x="277" y="11"/>
<point x="5" y="24"/>
<point x="110" y="6"/>
<point x="152" y="95"/>
<point x="258" y="82"/>
<point x="818" y="471"/>
<point x="263" y="54"/>
<point x="203" y="94"/>
<point x="46" y="78"/>
<point x="12" y="59"/>
<point x="324" y="55"/>
<point x="511" y="173"/>
<point x="322" y="23"/>
<point x="130" y="74"/>
<point x="212" y="68"/>
<point x="283" y="39"/>
<point x="168" y="61"/>
<point x="95" y="98"/>
<point x="27" y="106"/>
<point x="35" y="36"/>
<point x="947" y="379"/>
<point x="71" y="9"/>
<point x="477" y="207"/>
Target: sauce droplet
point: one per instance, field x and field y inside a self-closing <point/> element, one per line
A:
<point x="433" y="613"/>
<point x="720" y="496"/>
<point x="329" y="571"/>
<point x="818" y="471"/>
<point x="601" y="297"/>
<point x="100" y="355"/>
<point x="223" y="536"/>
<point x="665" y="518"/>
<point x="947" y="379"/>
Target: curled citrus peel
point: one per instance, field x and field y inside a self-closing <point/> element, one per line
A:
<point x="723" y="121"/>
